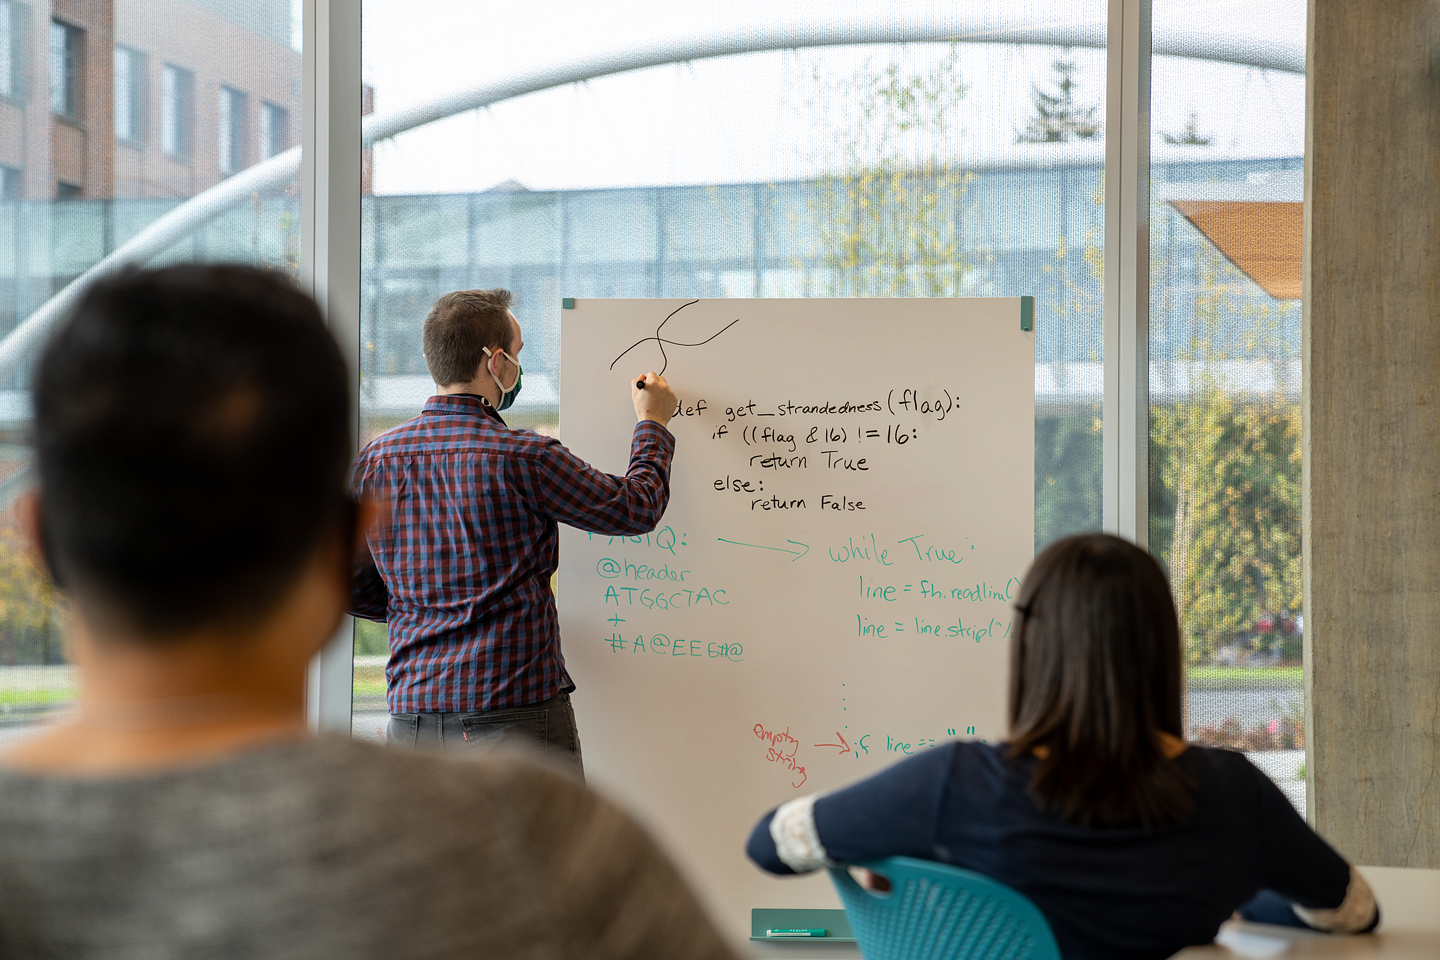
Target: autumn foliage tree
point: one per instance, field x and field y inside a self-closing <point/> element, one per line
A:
<point x="886" y="219"/>
<point x="1226" y="513"/>
<point x="29" y="625"/>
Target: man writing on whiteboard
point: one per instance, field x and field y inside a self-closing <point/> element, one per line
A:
<point x="460" y="566"/>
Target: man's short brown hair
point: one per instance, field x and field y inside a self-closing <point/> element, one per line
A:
<point x="458" y="328"/>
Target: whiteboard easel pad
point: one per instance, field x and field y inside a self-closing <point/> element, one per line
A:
<point x="852" y="506"/>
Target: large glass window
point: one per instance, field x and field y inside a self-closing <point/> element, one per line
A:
<point x="864" y="168"/>
<point x="860" y="167"/>
<point x="274" y="130"/>
<point x="1227" y="159"/>
<point x="12" y="47"/>
<point x="110" y="196"/>
<point x="64" y="68"/>
<point x="231" y="129"/>
<point x="129" y="94"/>
<point x="177" y="94"/>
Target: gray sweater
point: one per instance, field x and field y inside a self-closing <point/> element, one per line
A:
<point x="331" y="848"/>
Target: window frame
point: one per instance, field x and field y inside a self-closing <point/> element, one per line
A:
<point x="330" y="252"/>
<point x="1126" y="418"/>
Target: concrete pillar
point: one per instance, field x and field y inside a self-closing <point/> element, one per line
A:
<point x="1372" y="428"/>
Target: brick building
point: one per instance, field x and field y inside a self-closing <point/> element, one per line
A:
<point x="142" y="98"/>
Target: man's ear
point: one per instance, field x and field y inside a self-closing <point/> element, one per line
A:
<point x="30" y="514"/>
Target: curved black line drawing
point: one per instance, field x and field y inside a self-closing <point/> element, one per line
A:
<point x="661" y="341"/>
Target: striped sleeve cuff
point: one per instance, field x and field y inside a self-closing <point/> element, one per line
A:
<point x="648" y="431"/>
<point x="797" y="842"/>
<point x="1355" y="914"/>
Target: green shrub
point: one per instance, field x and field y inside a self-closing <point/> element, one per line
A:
<point x="371" y="639"/>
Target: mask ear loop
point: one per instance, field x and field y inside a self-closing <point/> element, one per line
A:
<point x="503" y="389"/>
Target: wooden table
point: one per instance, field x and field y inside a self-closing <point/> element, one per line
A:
<point x="1409" y="927"/>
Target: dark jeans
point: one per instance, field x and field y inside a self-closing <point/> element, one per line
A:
<point x="546" y="728"/>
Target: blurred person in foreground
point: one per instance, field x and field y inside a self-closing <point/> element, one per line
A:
<point x="1133" y="843"/>
<point x="193" y="438"/>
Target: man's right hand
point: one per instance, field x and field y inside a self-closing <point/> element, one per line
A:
<point x="656" y="401"/>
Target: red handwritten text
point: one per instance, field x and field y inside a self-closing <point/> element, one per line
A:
<point x="782" y="750"/>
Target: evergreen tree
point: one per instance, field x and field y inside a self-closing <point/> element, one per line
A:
<point x="1058" y="119"/>
<point x="1190" y="135"/>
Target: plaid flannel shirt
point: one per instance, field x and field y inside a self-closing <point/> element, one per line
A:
<point x="461" y="570"/>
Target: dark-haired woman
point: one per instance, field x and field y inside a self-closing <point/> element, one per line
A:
<point x="1131" y="842"/>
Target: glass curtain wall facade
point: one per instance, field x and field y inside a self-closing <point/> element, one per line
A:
<point x="109" y="123"/>
<point x="1225" y="507"/>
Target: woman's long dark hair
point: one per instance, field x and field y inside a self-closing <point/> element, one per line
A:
<point x="1095" y="673"/>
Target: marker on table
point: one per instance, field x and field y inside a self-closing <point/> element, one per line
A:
<point x="812" y="932"/>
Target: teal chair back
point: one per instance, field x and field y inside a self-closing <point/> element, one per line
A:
<point x="937" y="912"/>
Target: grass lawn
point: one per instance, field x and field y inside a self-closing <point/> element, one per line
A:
<point x="28" y="697"/>
<point x="369" y="681"/>
<point x="1231" y="678"/>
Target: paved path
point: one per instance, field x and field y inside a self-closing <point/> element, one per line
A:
<point x="369" y="725"/>
<point x="1250" y="705"/>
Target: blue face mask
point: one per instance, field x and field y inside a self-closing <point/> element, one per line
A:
<point x="507" y="396"/>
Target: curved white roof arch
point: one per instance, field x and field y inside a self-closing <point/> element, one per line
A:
<point x="905" y="27"/>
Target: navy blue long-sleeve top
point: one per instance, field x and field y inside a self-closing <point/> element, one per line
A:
<point x="1109" y="892"/>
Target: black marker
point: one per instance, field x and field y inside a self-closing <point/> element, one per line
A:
<point x="639" y="384"/>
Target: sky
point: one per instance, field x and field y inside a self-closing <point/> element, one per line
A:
<point x="770" y="116"/>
